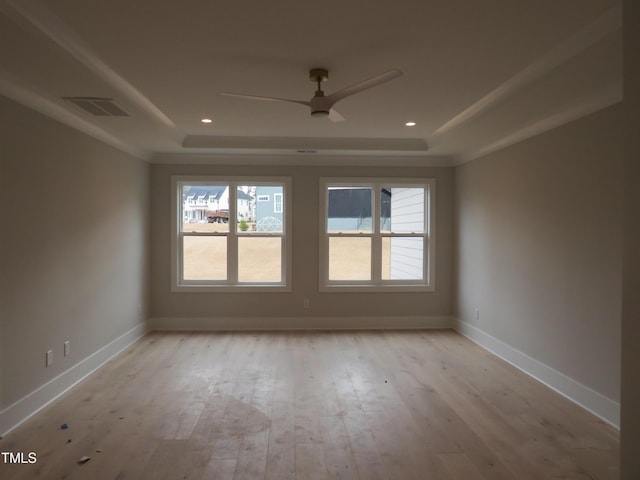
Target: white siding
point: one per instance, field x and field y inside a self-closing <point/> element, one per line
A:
<point x="406" y="258"/>
<point x="407" y="215"/>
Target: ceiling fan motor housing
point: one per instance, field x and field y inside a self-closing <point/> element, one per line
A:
<point x="320" y="106"/>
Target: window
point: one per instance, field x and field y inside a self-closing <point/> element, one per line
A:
<point x="377" y="234"/>
<point x="234" y="243"/>
<point x="263" y="198"/>
<point x="277" y="203"/>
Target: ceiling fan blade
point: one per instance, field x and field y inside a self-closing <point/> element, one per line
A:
<point x="364" y="85"/>
<point x="268" y="99"/>
<point x="335" y="117"/>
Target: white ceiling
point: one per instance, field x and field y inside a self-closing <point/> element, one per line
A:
<point x="478" y="75"/>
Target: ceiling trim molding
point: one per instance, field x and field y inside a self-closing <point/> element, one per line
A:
<point x="306" y="147"/>
<point x="17" y="91"/>
<point x="230" y="159"/>
<point x="327" y="146"/>
<point x="605" y="25"/>
<point x="53" y="28"/>
<point x="605" y="97"/>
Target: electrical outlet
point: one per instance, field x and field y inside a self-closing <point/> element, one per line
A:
<point x="67" y="348"/>
<point x="477" y="314"/>
<point x="305" y="303"/>
<point x="49" y="359"/>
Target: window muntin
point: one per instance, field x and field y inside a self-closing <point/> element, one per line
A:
<point x="377" y="234"/>
<point x="225" y="239"/>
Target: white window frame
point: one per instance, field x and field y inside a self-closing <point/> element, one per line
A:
<point x="377" y="284"/>
<point x="262" y="198"/>
<point x="231" y="284"/>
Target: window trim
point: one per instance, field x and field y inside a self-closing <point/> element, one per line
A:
<point x="377" y="284"/>
<point x="180" y="285"/>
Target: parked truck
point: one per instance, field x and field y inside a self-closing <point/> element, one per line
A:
<point x="217" y="216"/>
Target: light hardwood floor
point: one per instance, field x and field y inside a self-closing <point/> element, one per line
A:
<point x="316" y="405"/>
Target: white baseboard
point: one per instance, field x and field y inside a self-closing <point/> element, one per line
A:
<point x="601" y="406"/>
<point x="21" y="410"/>
<point x="300" y="323"/>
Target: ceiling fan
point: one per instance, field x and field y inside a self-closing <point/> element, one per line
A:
<point x="321" y="105"/>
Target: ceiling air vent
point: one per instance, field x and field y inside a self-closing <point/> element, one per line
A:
<point x="98" y="106"/>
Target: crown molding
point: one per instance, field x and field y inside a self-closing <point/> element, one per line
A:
<point x="28" y="96"/>
<point x="45" y="21"/>
<point x="605" y="97"/>
<point x="607" y="24"/>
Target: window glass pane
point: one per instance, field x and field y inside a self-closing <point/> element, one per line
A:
<point x="204" y="258"/>
<point x="259" y="259"/>
<point x="349" y="209"/>
<point x="402" y="209"/>
<point x="205" y="208"/>
<point x="349" y="258"/>
<point x="260" y="208"/>
<point x="402" y="258"/>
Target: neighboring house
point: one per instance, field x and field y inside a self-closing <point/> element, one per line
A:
<point x="401" y="210"/>
<point x="202" y="201"/>
<point x="407" y="215"/>
<point x="245" y="207"/>
<point x="269" y="205"/>
<point x="350" y="209"/>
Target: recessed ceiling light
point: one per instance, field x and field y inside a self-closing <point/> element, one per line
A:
<point x="410" y="124"/>
<point x="206" y="120"/>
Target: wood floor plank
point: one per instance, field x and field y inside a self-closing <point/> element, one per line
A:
<point x="220" y="469"/>
<point x="337" y="453"/>
<point x="461" y="467"/>
<point x="443" y="413"/>
<point x="364" y="446"/>
<point x="280" y="463"/>
<point x="312" y="405"/>
<point x="310" y="462"/>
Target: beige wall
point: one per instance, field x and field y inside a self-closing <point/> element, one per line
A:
<point x="73" y="258"/>
<point x="165" y="304"/>
<point x="630" y="428"/>
<point x="539" y="232"/>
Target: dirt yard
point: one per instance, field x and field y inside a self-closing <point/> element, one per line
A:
<point x="204" y="257"/>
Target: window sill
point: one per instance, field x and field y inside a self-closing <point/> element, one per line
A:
<point x="377" y="288"/>
<point x="231" y="289"/>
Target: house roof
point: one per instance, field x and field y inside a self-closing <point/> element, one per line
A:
<point x="212" y="191"/>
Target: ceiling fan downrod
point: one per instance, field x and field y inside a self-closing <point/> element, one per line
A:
<point x="319" y="75"/>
